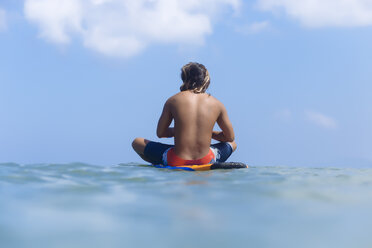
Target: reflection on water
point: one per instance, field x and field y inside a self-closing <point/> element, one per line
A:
<point x="129" y="205"/>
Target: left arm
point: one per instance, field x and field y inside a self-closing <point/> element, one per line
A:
<point x="163" y="130"/>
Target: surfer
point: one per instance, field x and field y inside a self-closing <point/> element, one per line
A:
<point x="194" y="113"/>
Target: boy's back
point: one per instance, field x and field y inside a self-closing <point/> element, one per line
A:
<point x="194" y="113"/>
<point x="194" y="118"/>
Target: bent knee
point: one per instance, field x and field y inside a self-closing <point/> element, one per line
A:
<point x="233" y="145"/>
<point x="138" y="142"/>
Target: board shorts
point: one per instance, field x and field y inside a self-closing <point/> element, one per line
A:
<point x="159" y="153"/>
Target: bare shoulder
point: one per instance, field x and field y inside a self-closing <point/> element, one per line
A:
<point x="182" y="97"/>
<point x="172" y="99"/>
<point x="212" y="98"/>
<point x="216" y="102"/>
<point x="179" y="97"/>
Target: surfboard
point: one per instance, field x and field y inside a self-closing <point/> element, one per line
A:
<point x="204" y="167"/>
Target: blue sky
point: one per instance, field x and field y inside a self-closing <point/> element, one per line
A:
<point x="80" y="79"/>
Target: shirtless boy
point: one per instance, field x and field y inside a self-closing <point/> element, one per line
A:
<point x="194" y="113"/>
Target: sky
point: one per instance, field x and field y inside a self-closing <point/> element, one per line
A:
<point x="80" y="79"/>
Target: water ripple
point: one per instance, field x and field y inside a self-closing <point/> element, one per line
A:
<point x="79" y="205"/>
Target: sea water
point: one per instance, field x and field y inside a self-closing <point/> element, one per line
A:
<point x="129" y="205"/>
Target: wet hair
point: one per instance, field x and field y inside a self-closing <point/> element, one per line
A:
<point x="195" y="77"/>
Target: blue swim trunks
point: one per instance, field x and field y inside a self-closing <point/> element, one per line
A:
<point x="156" y="152"/>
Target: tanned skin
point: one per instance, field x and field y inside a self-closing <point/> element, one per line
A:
<point x="194" y="117"/>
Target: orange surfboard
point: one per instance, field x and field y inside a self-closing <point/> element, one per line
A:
<point x="205" y="167"/>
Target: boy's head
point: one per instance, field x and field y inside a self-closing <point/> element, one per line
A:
<point x="195" y="77"/>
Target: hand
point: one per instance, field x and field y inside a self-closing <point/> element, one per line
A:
<point x="217" y="135"/>
<point x="220" y="136"/>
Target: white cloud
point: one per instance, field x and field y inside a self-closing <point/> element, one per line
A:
<point x="2" y="20"/>
<point x="56" y="19"/>
<point x="254" y="27"/>
<point x="320" y="13"/>
<point x="125" y="27"/>
<point x="321" y="119"/>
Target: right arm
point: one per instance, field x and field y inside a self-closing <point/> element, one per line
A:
<point x="223" y="121"/>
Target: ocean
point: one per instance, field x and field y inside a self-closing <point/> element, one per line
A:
<point x="132" y="205"/>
